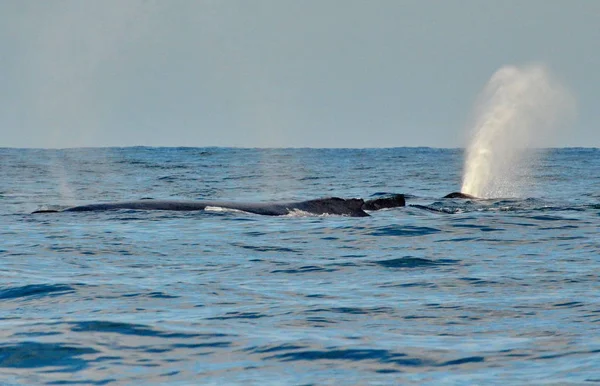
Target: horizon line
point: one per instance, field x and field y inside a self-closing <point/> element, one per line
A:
<point x="271" y="147"/>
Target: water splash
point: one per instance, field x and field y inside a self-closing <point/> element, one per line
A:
<point x="61" y="176"/>
<point x="519" y="109"/>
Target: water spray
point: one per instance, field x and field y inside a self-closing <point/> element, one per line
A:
<point x="518" y="107"/>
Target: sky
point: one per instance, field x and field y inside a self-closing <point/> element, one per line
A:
<point x="281" y="73"/>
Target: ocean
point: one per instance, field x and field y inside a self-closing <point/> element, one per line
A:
<point x="440" y="292"/>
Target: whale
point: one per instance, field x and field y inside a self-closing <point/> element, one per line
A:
<point x="352" y="207"/>
<point x="460" y="195"/>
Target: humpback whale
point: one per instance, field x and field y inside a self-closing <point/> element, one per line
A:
<point x="459" y="195"/>
<point x="353" y="207"/>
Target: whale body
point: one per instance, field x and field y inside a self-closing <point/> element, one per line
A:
<point x="353" y="207"/>
<point x="459" y="195"/>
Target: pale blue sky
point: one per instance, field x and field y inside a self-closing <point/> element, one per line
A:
<point x="279" y="73"/>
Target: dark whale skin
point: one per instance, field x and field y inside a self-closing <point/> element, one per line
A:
<point x="459" y="195"/>
<point x="392" y="201"/>
<point x="352" y="207"/>
<point x="333" y="205"/>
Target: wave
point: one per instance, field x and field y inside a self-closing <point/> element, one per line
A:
<point x="413" y="262"/>
<point x="34" y="290"/>
<point x="527" y="205"/>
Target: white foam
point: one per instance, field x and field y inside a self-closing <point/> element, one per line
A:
<point x="221" y="209"/>
<point x="302" y="213"/>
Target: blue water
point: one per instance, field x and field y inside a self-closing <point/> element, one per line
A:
<point x="501" y="291"/>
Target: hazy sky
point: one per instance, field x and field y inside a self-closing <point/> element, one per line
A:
<point x="280" y="73"/>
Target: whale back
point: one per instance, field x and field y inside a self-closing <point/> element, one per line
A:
<point x="332" y="205"/>
<point x="459" y="195"/>
<point x="141" y="205"/>
<point x="392" y="201"/>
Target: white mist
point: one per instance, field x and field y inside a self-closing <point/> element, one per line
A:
<point x="519" y="108"/>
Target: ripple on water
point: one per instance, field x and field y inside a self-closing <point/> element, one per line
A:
<point x="413" y="262"/>
<point x="304" y="269"/>
<point x="37" y="354"/>
<point x="375" y="355"/>
<point x="125" y="329"/>
<point x="267" y="248"/>
<point x="400" y="230"/>
<point x="238" y="315"/>
<point x="35" y="290"/>
<point x="354" y="310"/>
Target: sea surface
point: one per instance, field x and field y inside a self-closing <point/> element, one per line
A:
<point x="441" y="292"/>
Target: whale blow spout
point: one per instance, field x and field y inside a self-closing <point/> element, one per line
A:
<point x="520" y="109"/>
